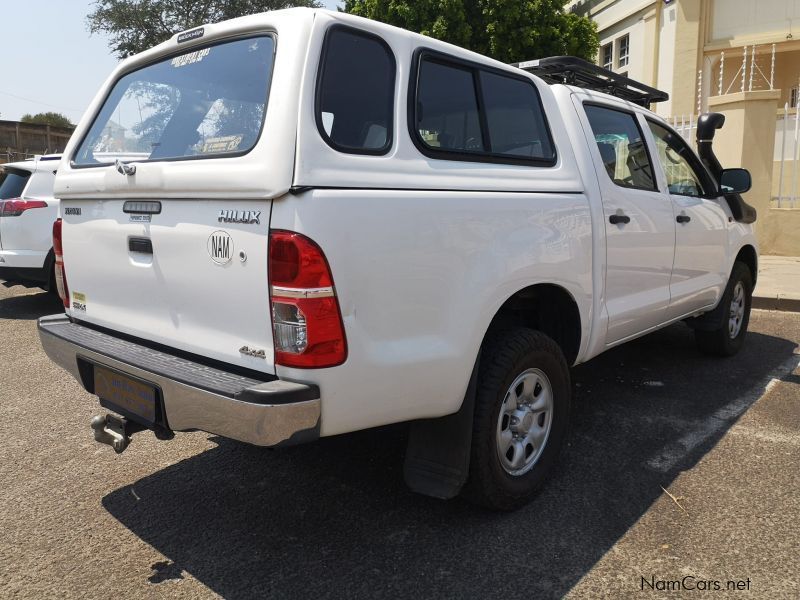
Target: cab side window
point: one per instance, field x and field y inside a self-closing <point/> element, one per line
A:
<point x="622" y="147"/>
<point x="514" y="117"/>
<point x="463" y="111"/>
<point x="355" y="92"/>
<point x="447" y="108"/>
<point x="685" y="174"/>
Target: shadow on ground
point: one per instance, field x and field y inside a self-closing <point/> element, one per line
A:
<point x="29" y="305"/>
<point x="334" y="518"/>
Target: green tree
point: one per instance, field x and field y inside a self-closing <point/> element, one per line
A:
<point x="136" y="25"/>
<point x="506" y="31"/>
<point x="48" y="118"/>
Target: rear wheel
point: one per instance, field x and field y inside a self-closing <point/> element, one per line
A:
<point x="727" y="338"/>
<point x="52" y="288"/>
<point x="521" y="417"/>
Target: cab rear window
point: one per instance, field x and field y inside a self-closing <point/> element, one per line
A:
<point x="207" y="102"/>
<point x="13" y="182"/>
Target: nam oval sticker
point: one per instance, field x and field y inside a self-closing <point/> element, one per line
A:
<point x="220" y="247"/>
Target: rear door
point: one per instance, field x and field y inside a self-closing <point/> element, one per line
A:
<point x="639" y="222"/>
<point x="166" y="201"/>
<point x="190" y="274"/>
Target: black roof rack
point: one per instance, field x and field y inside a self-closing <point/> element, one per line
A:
<point x="576" y="71"/>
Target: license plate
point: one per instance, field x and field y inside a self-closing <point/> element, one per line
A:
<point x="126" y="393"/>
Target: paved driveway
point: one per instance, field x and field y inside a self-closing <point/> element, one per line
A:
<point x="201" y="516"/>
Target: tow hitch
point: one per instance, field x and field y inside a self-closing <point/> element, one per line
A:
<point x="116" y="431"/>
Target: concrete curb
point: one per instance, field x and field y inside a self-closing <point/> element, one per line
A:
<point x="776" y="303"/>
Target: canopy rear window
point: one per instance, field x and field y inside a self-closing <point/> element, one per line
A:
<point x="207" y="102"/>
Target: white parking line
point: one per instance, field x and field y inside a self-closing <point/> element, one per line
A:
<point x="720" y="419"/>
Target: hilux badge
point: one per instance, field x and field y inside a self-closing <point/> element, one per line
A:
<point x="248" y="217"/>
<point x="220" y="247"/>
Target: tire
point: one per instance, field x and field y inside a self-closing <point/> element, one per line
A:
<point x="727" y="336"/>
<point x="515" y="446"/>
<point x="52" y="288"/>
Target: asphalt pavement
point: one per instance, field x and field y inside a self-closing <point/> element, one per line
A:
<point x="680" y="470"/>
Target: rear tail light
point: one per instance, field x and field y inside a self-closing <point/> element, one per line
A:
<point x="16" y="206"/>
<point x="61" y="275"/>
<point x="306" y="319"/>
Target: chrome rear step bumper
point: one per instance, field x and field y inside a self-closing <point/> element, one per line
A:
<point x="263" y="412"/>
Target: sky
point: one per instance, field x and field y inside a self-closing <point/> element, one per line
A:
<point x="50" y="62"/>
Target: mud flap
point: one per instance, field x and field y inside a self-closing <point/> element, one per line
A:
<point x="709" y="321"/>
<point x="713" y="319"/>
<point x="438" y="453"/>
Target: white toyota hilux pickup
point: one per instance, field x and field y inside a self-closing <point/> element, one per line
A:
<point x="303" y="223"/>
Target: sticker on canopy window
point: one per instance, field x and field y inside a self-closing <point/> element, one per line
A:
<point x="226" y="143"/>
<point x="190" y="58"/>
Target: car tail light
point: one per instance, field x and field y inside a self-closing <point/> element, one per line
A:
<point x="306" y="320"/>
<point x="14" y="207"/>
<point x="61" y="275"/>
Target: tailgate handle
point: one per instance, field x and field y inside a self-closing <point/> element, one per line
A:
<point x="141" y="245"/>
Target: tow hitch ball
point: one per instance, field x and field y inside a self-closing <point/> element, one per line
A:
<point x="116" y="431"/>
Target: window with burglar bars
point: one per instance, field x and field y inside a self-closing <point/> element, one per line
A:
<point x="624" y="49"/>
<point x="608" y="56"/>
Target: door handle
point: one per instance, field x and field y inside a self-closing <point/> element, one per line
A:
<point x="683" y="218"/>
<point x="143" y="245"/>
<point x="619" y="219"/>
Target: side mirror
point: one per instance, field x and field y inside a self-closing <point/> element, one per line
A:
<point x="734" y="181"/>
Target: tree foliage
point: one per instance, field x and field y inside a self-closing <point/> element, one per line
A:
<point x="506" y="31"/>
<point x="136" y="25"/>
<point x="47" y="118"/>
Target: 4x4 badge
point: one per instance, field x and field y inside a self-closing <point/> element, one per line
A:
<point x="254" y="352"/>
<point x="248" y="217"/>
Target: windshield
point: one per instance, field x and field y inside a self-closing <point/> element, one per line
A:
<point x="210" y="101"/>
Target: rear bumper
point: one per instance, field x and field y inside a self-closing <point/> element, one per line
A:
<point x="194" y="395"/>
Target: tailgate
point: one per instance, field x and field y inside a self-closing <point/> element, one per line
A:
<point x="192" y="277"/>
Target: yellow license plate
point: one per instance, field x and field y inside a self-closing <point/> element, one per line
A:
<point x="126" y="393"/>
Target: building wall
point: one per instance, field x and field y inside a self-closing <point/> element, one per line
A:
<point x="617" y="18"/>
<point x="666" y="59"/>
<point x="753" y="18"/>
<point x="663" y="37"/>
<point x="787" y="74"/>
<point x="687" y="54"/>
<point x="635" y="32"/>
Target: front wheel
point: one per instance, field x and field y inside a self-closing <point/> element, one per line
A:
<point x="727" y="338"/>
<point x="521" y="416"/>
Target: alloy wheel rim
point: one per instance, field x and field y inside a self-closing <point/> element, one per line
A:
<point x="736" y="314"/>
<point x="524" y="422"/>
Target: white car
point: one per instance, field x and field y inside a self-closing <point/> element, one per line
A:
<point x="27" y="213"/>
<point x="334" y="224"/>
